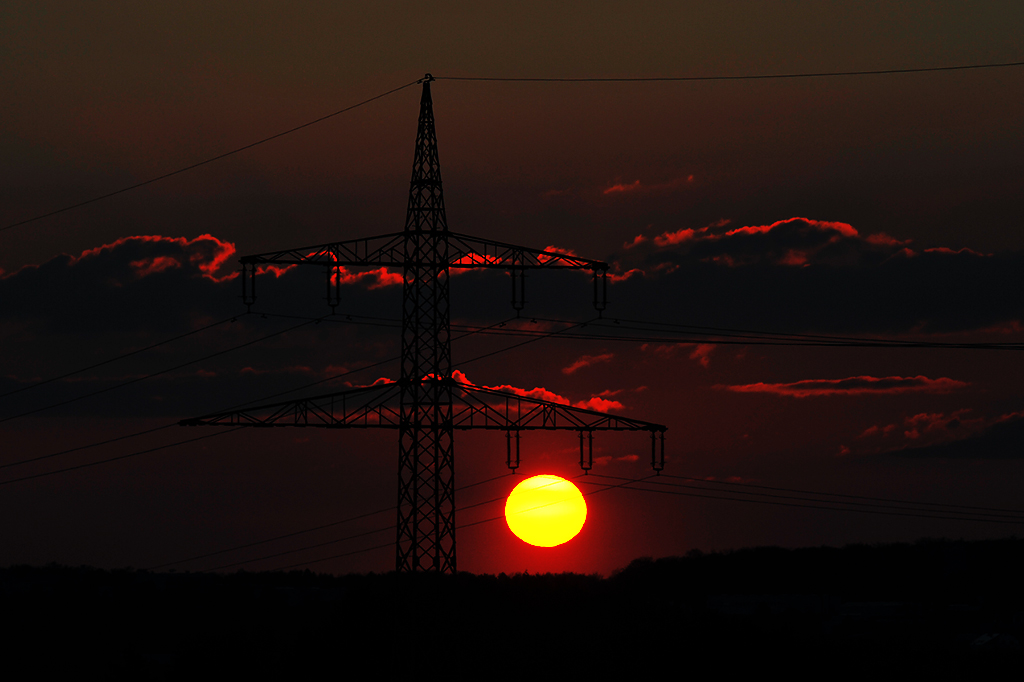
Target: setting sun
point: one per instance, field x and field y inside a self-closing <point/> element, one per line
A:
<point x="545" y="510"/>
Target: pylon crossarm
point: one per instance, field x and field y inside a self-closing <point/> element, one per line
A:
<point x="366" y="407"/>
<point x="483" y="408"/>
<point x="467" y="251"/>
<point x="384" y="249"/>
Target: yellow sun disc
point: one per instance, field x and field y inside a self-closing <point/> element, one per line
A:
<point x="545" y="510"/>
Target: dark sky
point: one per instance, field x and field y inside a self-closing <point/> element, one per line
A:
<point x="864" y="206"/>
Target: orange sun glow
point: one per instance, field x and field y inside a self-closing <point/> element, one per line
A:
<point x="545" y="510"/>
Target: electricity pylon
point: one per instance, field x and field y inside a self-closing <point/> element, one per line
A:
<point x="427" y="404"/>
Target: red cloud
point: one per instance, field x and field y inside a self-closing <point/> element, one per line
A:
<point x="637" y="186"/>
<point x="623" y="276"/>
<point x="951" y="252"/>
<point x="594" y="403"/>
<point x="637" y="241"/>
<point x="842" y="229"/>
<point x="793" y="242"/>
<point x="781" y="248"/>
<point x="688" y="234"/>
<point x="540" y="393"/>
<point x="586" y="361"/>
<point x="374" y="279"/>
<point x="852" y="386"/>
<point x="702" y="353"/>
<point x="205" y="252"/>
<point x="557" y="249"/>
<point x="476" y="259"/>
<point x="149" y="266"/>
<point x="275" y="270"/>
<point x="876" y="430"/>
<point x="678" y="237"/>
<point x="622" y="188"/>
<point x="599" y="404"/>
<point x="882" y="239"/>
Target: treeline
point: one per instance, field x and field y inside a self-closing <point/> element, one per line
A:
<point x="933" y="604"/>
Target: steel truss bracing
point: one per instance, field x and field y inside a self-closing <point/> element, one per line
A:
<point x="426" y="405"/>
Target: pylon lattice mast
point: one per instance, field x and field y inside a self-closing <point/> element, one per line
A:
<point x="426" y="405"/>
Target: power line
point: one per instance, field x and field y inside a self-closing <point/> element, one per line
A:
<point x="605" y="488"/>
<point x="122" y="356"/>
<point x="370" y="532"/>
<point x="249" y="402"/>
<point x="626" y="483"/>
<point x="302" y="549"/>
<point x="490" y="329"/>
<point x="800" y="338"/>
<point x="538" y="337"/>
<point x="395" y="358"/>
<point x="855" y="497"/>
<point x="303" y="531"/>
<point x="206" y="161"/>
<point x="821" y="74"/>
<point x="273" y="539"/>
<point x="821" y="503"/>
<point x="118" y="458"/>
<point x="743" y="77"/>
<point x="155" y="374"/>
<point x="724" y="336"/>
<point x="160" y="428"/>
<point x="356" y="535"/>
<point x="901" y="506"/>
<point x="88" y="446"/>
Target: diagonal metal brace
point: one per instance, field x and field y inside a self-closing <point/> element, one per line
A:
<point x="466" y="251"/>
<point x="473" y="407"/>
<point x="486" y="408"/>
<point x="366" y="407"/>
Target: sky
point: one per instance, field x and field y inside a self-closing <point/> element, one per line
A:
<point x="870" y="206"/>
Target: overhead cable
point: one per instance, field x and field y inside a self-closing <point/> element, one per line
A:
<point x="205" y="161"/>
<point x="158" y="373"/>
<point x="122" y="356"/>
<point x="740" y="77"/>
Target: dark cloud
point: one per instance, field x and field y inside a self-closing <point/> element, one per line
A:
<point x="808" y="275"/>
<point x="861" y="385"/>
<point x="76" y="310"/>
<point x="1003" y="439"/>
<point x="151" y="280"/>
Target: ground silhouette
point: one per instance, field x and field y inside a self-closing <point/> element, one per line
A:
<point x="933" y="605"/>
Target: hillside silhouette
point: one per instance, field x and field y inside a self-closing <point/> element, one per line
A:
<point x="932" y="605"/>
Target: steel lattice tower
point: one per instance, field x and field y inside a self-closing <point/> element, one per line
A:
<point x="426" y="458"/>
<point x="426" y="404"/>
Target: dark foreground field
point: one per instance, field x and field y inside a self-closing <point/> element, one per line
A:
<point x="931" y="606"/>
